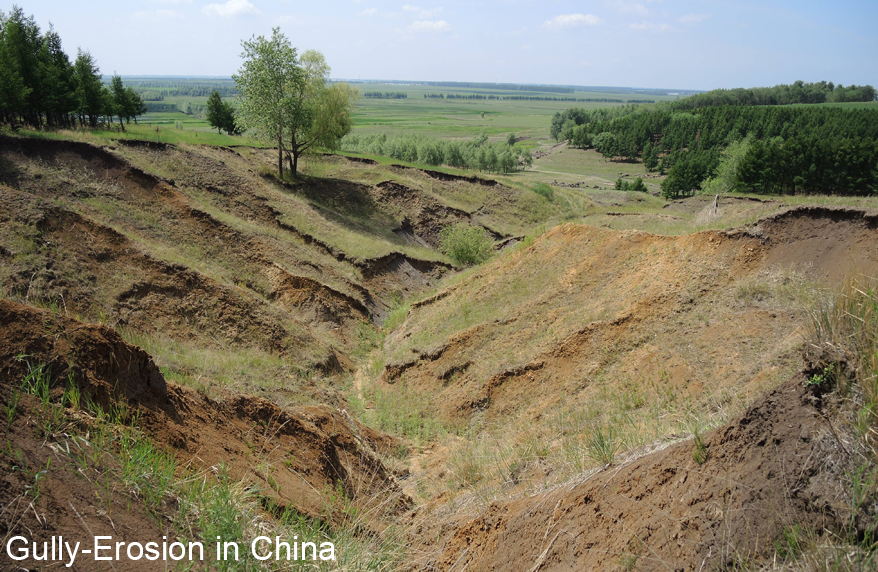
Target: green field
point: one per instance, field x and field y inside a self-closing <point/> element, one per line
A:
<point x="445" y="118"/>
<point x="456" y="118"/>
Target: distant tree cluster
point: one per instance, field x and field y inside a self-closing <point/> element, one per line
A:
<point x="167" y="88"/>
<point x="783" y="94"/>
<point x="500" y="86"/>
<point x="477" y="154"/>
<point x="766" y="149"/>
<point x="40" y="87"/>
<point x="532" y="98"/>
<point x="385" y="95"/>
<point x="221" y="115"/>
<point x="584" y="99"/>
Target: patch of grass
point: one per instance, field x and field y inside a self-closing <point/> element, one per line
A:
<point x="401" y="410"/>
<point x="397" y="312"/>
<point x="544" y="191"/>
<point x="465" y="244"/>
<point x="603" y="443"/>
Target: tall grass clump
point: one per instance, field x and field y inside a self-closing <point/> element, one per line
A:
<point x="544" y="191"/>
<point x="845" y="356"/>
<point x="466" y="245"/>
<point x="846" y="330"/>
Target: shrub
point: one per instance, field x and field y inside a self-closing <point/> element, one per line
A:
<point x="544" y="191"/>
<point x="637" y="185"/>
<point x="465" y="244"/>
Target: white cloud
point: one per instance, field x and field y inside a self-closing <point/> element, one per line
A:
<point x="652" y="27"/>
<point x="158" y="15"/>
<point x="419" y="12"/>
<point x="231" y="9"/>
<point x="571" y="20"/>
<point x="429" y="26"/>
<point x="369" y="12"/>
<point x="632" y="8"/>
<point x="693" y="18"/>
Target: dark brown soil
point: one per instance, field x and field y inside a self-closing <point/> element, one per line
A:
<point x="664" y="511"/>
<point x="297" y="457"/>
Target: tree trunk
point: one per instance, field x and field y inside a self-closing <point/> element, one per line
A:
<point x="280" y="158"/>
<point x="295" y="163"/>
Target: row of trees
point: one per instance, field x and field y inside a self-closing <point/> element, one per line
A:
<point x="477" y="154"/>
<point x="533" y="98"/>
<point x="500" y="86"/>
<point x="287" y="100"/>
<point x="172" y="88"/>
<point x="783" y="94"/>
<point x="385" y="95"/>
<point x="39" y="86"/>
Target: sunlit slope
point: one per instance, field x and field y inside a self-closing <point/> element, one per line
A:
<point x="705" y="319"/>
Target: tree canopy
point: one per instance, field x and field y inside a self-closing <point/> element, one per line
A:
<point x="288" y="101"/>
<point x="40" y="87"/>
<point x="220" y="114"/>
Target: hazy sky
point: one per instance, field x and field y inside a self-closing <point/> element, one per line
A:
<point x="642" y="43"/>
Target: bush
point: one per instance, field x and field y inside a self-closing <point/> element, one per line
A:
<point x="465" y="244"/>
<point x="637" y="185"/>
<point x="544" y="191"/>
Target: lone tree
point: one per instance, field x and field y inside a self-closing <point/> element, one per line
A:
<point x="287" y="100"/>
<point x="221" y="115"/>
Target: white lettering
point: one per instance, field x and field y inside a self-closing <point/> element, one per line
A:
<point x="254" y="549"/>
<point x="99" y="547"/>
<point x="182" y="551"/>
<point x="23" y="552"/>
<point x="330" y="549"/>
<point x="139" y="554"/>
<point x="152" y="551"/>
<point x="72" y="553"/>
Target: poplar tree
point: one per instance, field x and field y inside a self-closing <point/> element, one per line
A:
<point x="288" y="101"/>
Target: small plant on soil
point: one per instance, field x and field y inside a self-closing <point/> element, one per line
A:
<point x="603" y="444"/>
<point x="466" y="245"/>
<point x="699" y="455"/>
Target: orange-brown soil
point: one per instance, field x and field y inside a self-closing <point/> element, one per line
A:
<point x="594" y="304"/>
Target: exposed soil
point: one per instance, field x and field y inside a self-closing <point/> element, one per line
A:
<point x="663" y="511"/>
<point x="298" y="457"/>
<point x="195" y="244"/>
<point x="676" y="310"/>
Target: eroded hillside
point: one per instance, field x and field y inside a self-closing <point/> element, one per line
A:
<point x="589" y="398"/>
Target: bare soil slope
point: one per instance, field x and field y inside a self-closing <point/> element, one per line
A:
<point x="298" y="457"/>
<point x="585" y="307"/>
<point x="765" y="473"/>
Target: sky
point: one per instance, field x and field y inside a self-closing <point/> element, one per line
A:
<point x="673" y="44"/>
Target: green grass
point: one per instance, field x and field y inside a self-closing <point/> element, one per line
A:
<point x="450" y="118"/>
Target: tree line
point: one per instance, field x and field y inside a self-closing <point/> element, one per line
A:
<point x="40" y="87"/>
<point x="167" y="88"/>
<point x="499" y="86"/>
<point x="477" y="154"/>
<point x="763" y="149"/>
<point x="784" y="94"/>
<point x="532" y="98"/>
<point x="385" y="95"/>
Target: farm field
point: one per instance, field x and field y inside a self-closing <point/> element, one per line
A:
<point x="462" y="118"/>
